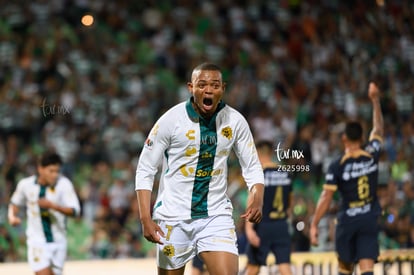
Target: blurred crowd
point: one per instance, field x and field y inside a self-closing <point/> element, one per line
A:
<point x="297" y="69"/>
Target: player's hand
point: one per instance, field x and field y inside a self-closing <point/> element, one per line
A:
<point x="314" y="231"/>
<point x="14" y="221"/>
<point x="44" y="203"/>
<point x="253" y="238"/>
<point x="254" y="208"/>
<point x="373" y="91"/>
<point x="152" y="231"/>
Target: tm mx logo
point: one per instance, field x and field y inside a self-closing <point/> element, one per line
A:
<point x="285" y="154"/>
<point x="53" y="109"/>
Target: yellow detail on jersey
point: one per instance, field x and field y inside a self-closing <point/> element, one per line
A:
<point x="190" y="134"/>
<point x="169" y="250"/>
<point x="154" y="131"/>
<point x="355" y="154"/>
<point x="278" y="199"/>
<point x="190" y="151"/>
<point x="277" y="215"/>
<point x="186" y="172"/>
<point x="44" y="214"/>
<point x="202" y="173"/>
<point x="363" y="187"/>
<point x="169" y="230"/>
<point x="227" y="132"/>
<point x="206" y="155"/>
<point x="223" y="153"/>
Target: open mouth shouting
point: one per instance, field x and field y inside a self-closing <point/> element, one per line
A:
<point x="207" y="104"/>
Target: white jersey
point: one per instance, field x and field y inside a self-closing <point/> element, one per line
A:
<point x="194" y="154"/>
<point x="45" y="225"/>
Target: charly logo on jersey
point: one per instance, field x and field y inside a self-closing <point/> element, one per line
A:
<point x="190" y="134"/>
<point x="227" y="132"/>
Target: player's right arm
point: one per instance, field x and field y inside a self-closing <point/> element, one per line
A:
<point x="377" y="119"/>
<point x="321" y="208"/>
<point x="325" y="199"/>
<point x="13" y="215"/>
<point x="151" y="230"/>
<point x="151" y="156"/>
<point x="17" y="199"/>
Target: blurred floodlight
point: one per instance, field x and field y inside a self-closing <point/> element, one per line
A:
<point x="87" y="20"/>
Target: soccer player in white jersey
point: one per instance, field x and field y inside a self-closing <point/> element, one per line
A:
<point x="49" y="198"/>
<point x="192" y="214"/>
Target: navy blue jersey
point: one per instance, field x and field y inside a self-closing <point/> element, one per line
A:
<point x="276" y="194"/>
<point x="355" y="176"/>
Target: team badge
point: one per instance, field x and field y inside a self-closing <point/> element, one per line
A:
<point x="227" y="132"/>
<point x="169" y="250"/>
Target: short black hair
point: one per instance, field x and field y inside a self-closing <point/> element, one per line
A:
<point x="207" y="66"/>
<point x="50" y="158"/>
<point x="264" y="145"/>
<point x="353" y="130"/>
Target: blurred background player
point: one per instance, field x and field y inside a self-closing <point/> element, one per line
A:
<point x="355" y="176"/>
<point x="271" y="234"/>
<point x="49" y="198"/>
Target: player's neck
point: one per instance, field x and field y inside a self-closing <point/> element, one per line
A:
<point x="352" y="147"/>
<point x="41" y="181"/>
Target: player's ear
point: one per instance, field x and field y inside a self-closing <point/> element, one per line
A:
<point x="190" y="87"/>
<point x="344" y="138"/>
<point x="39" y="169"/>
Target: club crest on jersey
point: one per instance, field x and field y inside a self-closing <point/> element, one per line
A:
<point x="169" y="250"/>
<point x="227" y="132"/>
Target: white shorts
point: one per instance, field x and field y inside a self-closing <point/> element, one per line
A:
<point x="185" y="239"/>
<point x="41" y="256"/>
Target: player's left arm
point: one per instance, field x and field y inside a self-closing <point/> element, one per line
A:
<point x="377" y="118"/>
<point x="18" y="199"/>
<point x="252" y="171"/>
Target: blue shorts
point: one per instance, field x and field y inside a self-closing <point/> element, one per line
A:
<point x="357" y="240"/>
<point x="274" y="237"/>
